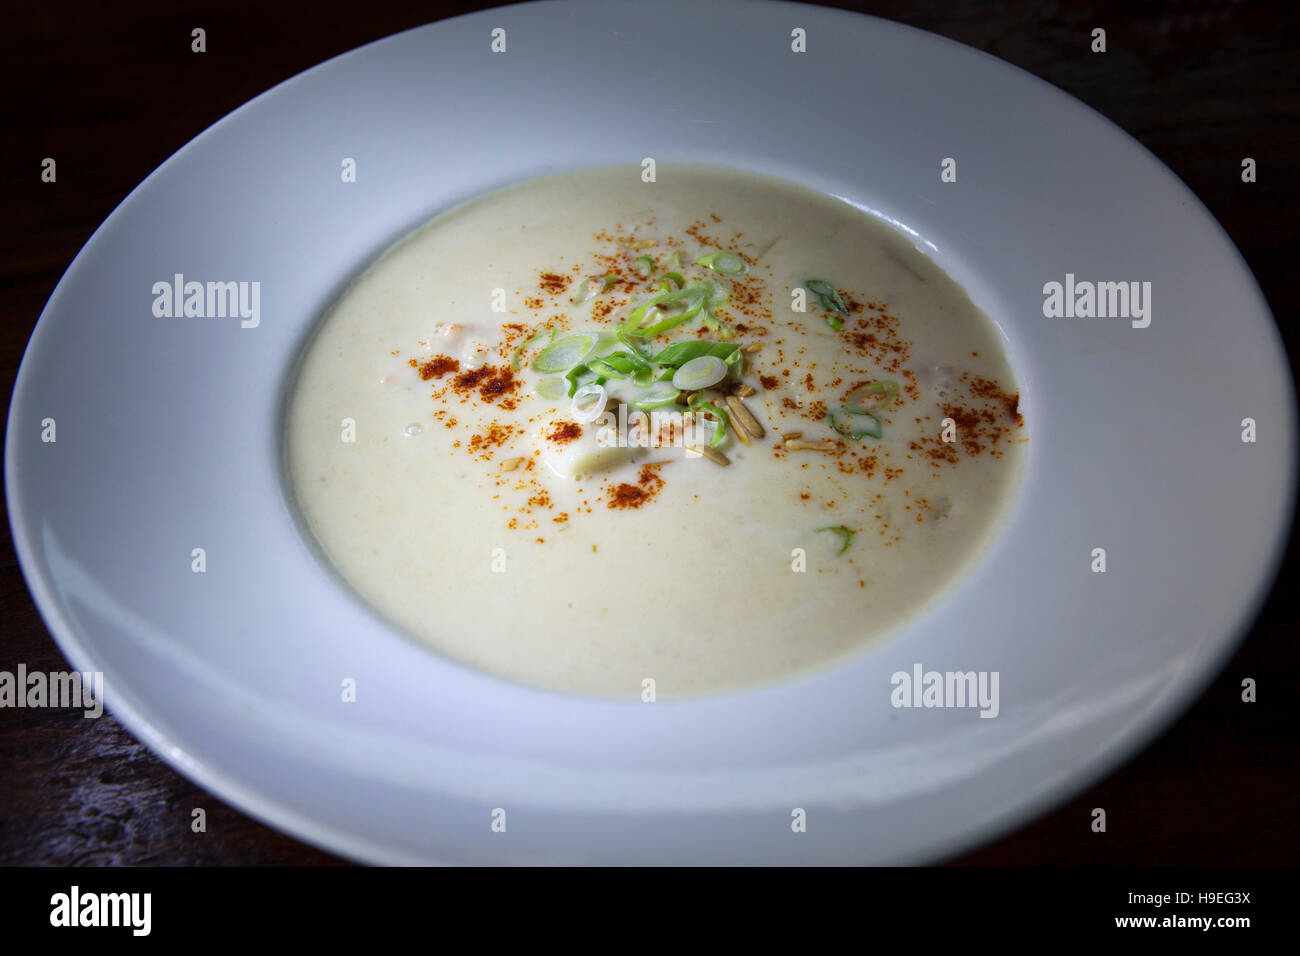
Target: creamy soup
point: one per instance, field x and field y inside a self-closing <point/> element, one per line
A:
<point x="618" y="438"/>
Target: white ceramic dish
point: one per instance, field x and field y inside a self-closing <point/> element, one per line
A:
<point x="169" y="439"/>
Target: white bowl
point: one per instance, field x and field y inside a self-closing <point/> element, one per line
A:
<point x="169" y="439"/>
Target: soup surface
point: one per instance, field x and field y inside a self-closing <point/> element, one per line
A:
<point x="617" y="438"/>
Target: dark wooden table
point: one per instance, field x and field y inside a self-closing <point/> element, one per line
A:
<point x="111" y="93"/>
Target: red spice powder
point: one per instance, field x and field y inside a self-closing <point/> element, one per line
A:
<point x="468" y="381"/>
<point x="495" y="436"/>
<point x="991" y="391"/>
<point x="436" y="367"/>
<point x="500" y="384"/>
<point x="648" y="485"/>
<point x="565" y="432"/>
<point x="554" y="283"/>
<point x="490" y="381"/>
<point x="627" y="496"/>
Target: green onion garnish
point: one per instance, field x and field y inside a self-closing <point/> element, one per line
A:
<point x="721" y="431"/>
<point x="630" y="341"/>
<point x="721" y="329"/>
<point x="643" y="266"/>
<point x="576" y="373"/>
<point x="672" y="280"/>
<point x="736" y="363"/>
<point x="656" y="396"/>
<point x="723" y="263"/>
<point x="619" y="365"/>
<point x="583" y="292"/>
<point x="844" y="533"/>
<point x="566" y="353"/>
<point x="835" y="322"/>
<point x="700" y="372"/>
<point x="552" y="388"/>
<point x="690" y="297"/>
<point x="830" y="300"/>
<point x="589" y="413"/>
<point x="605" y="369"/>
<point x="872" y="398"/>
<point x="519" y="349"/>
<point x="679" y="353"/>
<point x="858" y="425"/>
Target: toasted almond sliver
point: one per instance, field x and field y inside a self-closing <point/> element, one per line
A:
<point x="739" y="432"/>
<point x="510" y="464"/>
<point x="644" y="243"/>
<point x="715" y="456"/>
<point x="786" y="436"/>
<point x="745" y="391"/>
<point x="825" y="444"/>
<point x="753" y="347"/>
<point x="747" y="420"/>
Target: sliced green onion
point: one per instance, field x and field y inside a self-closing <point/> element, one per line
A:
<point x="858" y="426"/>
<point x="518" y="353"/>
<point x="643" y="266"/>
<point x="721" y="431"/>
<point x="829" y="296"/>
<point x="656" y="396"/>
<point x="552" y="388"/>
<point x="589" y="413"/>
<point x="835" y="322"/>
<point x="566" y="353"/>
<point x="606" y="370"/>
<point x="619" y="365"/>
<point x="679" y="353"/>
<point x="723" y="263"/>
<point x="735" y="365"/>
<point x="715" y="325"/>
<point x="630" y="341"/>
<point x="575" y="373"/>
<point x="700" y="372"/>
<point x="844" y="533"/>
<point x="872" y="398"/>
<point x="583" y="292"/>
<point x="673" y="280"/>
<point x="636" y="360"/>
<point x="690" y="297"/>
